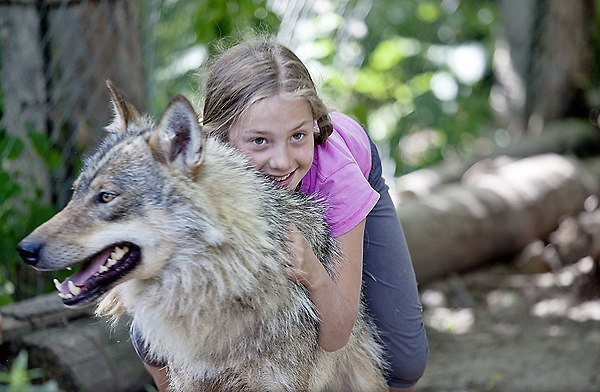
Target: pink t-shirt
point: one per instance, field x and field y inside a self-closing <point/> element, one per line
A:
<point x="340" y="172"/>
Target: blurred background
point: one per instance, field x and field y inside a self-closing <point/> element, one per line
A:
<point x="485" y="114"/>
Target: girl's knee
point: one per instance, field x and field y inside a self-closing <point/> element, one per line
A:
<point x="406" y="370"/>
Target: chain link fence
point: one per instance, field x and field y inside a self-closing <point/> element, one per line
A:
<point x="55" y="56"/>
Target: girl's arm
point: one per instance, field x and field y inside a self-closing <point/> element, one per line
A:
<point x="160" y="375"/>
<point x="336" y="300"/>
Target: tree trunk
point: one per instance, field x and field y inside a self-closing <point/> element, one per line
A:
<point x="543" y="60"/>
<point x="56" y="56"/>
<point x="494" y="214"/>
<point x="24" y="92"/>
<point x="566" y="137"/>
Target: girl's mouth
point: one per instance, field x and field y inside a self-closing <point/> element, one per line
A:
<point x="282" y="180"/>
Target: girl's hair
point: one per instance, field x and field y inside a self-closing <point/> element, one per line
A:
<point x="253" y="70"/>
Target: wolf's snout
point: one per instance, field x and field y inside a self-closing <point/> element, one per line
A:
<point x="29" y="252"/>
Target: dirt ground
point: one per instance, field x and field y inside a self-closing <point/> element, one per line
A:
<point x="496" y="329"/>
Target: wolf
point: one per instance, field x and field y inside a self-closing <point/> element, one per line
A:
<point x="177" y="230"/>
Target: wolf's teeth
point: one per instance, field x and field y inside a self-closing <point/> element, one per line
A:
<point x="110" y="262"/>
<point x="57" y="284"/>
<point x="102" y="269"/>
<point x="119" y="252"/>
<point x="65" y="296"/>
<point x="74" y="289"/>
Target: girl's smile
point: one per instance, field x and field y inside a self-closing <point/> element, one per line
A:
<point x="283" y="181"/>
<point x="277" y="134"/>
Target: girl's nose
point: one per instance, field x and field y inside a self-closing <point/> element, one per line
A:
<point x="281" y="159"/>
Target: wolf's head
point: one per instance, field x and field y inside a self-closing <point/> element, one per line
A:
<point x="113" y="227"/>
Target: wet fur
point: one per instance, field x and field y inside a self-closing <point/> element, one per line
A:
<point x="210" y="293"/>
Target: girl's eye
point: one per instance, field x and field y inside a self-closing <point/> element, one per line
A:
<point x="259" y="141"/>
<point x="106" y="197"/>
<point x="298" y="136"/>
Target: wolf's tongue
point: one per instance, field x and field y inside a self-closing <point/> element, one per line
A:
<point x="87" y="270"/>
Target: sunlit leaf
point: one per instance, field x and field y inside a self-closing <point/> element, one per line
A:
<point x="371" y="83"/>
<point x="421" y="83"/>
<point x="403" y="93"/>
<point x="428" y="12"/>
<point x="390" y="53"/>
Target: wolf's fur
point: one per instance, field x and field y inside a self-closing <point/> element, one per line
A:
<point x="209" y="292"/>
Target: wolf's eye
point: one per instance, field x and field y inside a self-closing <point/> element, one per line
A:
<point x="106" y="197"/>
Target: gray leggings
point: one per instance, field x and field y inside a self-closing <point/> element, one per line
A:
<point x="390" y="288"/>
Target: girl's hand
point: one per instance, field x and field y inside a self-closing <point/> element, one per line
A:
<point x="302" y="258"/>
<point x="336" y="301"/>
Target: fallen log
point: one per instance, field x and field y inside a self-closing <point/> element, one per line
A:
<point x="494" y="214"/>
<point x="86" y="355"/>
<point x="36" y="313"/>
<point x="577" y="237"/>
<point x="565" y="137"/>
<point x="71" y="346"/>
<point x="576" y="240"/>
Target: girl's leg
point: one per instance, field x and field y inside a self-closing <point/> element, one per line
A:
<point x="390" y="288"/>
<point x="391" y="295"/>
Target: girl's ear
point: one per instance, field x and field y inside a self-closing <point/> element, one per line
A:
<point x="178" y="139"/>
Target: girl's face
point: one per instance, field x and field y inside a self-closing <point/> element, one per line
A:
<point x="277" y="134"/>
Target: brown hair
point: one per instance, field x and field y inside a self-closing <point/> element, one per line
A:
<point x="253" y="70"/>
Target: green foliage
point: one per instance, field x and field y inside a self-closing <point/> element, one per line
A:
<point x="20" y="379"/>
<point x="216" y="19"/>
<point x="187" y="34"/>
<point x="21" y="210"/>
<point x="417" y="73"/>
<point x="44" y="149"/>
<point x="413" y="89"/>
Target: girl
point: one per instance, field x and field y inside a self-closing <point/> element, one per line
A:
<point x="260" y="98"/>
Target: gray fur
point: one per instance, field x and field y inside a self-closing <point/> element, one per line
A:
<point x="210" y="293"/>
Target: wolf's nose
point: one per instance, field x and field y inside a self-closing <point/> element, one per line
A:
<point x="29" y="252"/>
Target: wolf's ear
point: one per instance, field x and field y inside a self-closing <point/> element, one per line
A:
<point x="178" y="139"/>
<point x="124" y="112"/>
